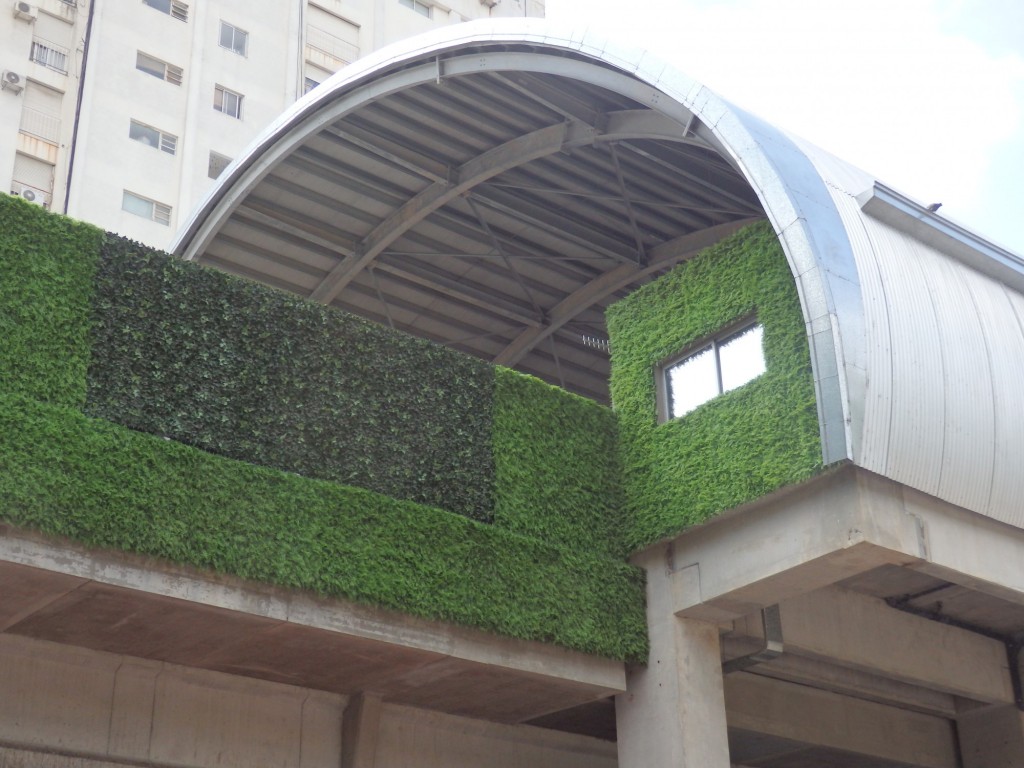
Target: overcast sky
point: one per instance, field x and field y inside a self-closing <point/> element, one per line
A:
<point x="928" y="95"/>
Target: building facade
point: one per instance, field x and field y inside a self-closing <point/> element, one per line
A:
<point x="242" y="527"/>
<point x="123" y="114"/>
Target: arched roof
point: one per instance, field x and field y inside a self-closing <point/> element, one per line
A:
<point x="494" y="185"/>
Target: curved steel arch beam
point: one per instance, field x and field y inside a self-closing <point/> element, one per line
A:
<point x="319" y="110"/>
<point x="661" y="256"/>
<point x="630" y="124"/>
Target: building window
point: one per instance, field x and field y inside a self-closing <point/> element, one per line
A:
<point x="234" y="39"/>
<point x="309" y="85"/>
<point x="152" y="137"/>
<point x="49" y="55"/>
<point x="722" y="364"/>
<point x="156" y="68"/>
<point x="172" y="8"/>
<point x="421" y="8"/>
<point x="146" y="208"/>
<point x="228" y="102"/>
<point x="217" y="165"/>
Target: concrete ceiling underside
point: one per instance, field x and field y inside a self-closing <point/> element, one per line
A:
<point x="493" y="209"/>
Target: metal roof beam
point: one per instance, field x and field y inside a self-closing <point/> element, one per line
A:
<point x="666" y="254"/>
<point x="521" y="149"/>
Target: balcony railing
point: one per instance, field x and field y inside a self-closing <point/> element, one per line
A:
<point x="50" y="55"/>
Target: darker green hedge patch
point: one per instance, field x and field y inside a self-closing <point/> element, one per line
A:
<point x="107" y="486"/>
<point x="46" y="268"/>
<point x="741" y="445"/>
<point x="249" y="372"/>
<point x="556" y="463"/>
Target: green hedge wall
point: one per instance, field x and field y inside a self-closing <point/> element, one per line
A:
<point x="102" y="484"/>
<point x="46" y="268"/>
<point x="741" y="445"/>
<point x="177" y="350"/>
<point x="246" y="371"/>
<point x="557" y="466"/>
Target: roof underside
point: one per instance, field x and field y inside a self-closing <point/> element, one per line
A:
<point x="492" y="205"/>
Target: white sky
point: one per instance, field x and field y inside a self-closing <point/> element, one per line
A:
<point x="928" y="95"/>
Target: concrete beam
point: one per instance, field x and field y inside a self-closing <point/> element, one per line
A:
<point x="827" y="720"/>
<point x="863" y="633"/>
<point x="142" y="607"/>
<point x="992" y="737"/>
<point x="830" y="676"/>
<point x="843" y="523"/>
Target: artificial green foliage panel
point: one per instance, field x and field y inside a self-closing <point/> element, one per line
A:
<point x="107" y="486"/>
<point x="46" y="268"/>
<point x="557" y="473"/>
<point x="740" y="445"/>
<point x="249" y="372"/>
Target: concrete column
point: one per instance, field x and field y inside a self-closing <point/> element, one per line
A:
<point x="673" y="711"/>
<point x="991" y="737"/>
<point x="359" y="728"/>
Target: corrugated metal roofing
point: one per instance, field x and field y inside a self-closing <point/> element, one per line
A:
<point x="494" y="185"/>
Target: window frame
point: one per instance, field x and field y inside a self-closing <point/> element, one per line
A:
<point x="714" y="342"/>
<point x="235" y="32"/>
<point x="426" y="10"/>
<point x="166" y="142"/>
<point x="159" y="213"/>
<point x="175" y="8"/>
<point x="171" y="74"/>
<point x="223" y="91"/>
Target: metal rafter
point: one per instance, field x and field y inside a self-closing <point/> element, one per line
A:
<point x="661" y="256"/>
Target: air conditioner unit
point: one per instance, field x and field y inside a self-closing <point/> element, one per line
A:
<point x="31" y="194"/>
<point x="23" y="10"/>
<point x="12" y="81"/>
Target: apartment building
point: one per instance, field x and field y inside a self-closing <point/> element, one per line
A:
<point x="123" y="113"/>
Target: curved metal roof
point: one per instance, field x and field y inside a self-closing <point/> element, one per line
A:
<point x="494" y="185"/>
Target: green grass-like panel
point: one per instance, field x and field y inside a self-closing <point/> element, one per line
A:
<point x="557" y="474"/>
<point x="46" y="268"/>
<point x="741" y="445"/>
<point x="253" y="373"/>
<point x="107" y="486"/>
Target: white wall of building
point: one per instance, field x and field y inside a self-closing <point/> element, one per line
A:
<point x="289" y="46"/>
<point x="41" y="47"/>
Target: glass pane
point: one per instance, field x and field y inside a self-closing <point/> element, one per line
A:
<point x="148" y="136"/>
<point x="227" y="36"/>
<point x="160" y="5"/>
<point x="742" y="357"/>
<point x="691" y="382"/>
<point x="150" y="65"/>
<point x="137" y="205"/>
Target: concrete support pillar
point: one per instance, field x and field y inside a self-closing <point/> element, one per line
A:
<point x="991" y="737"/>
<point x="359" y="729"/>
<point x="673" y="711"/>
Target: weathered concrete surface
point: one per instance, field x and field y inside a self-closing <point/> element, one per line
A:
<point x="807" y="716"/>
<point x="674" y="711"/>
<point x="844" y="523"/>
<point x="863" y="633"/>
<point x="134" y="606"/>
<point x="416" y="738"/>
<point x="65" y="706"/>
<point x="103" y="706"/>
<point x="992" y="737"/>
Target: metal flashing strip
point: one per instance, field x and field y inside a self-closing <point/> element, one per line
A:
<point x="899" y="211"/>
